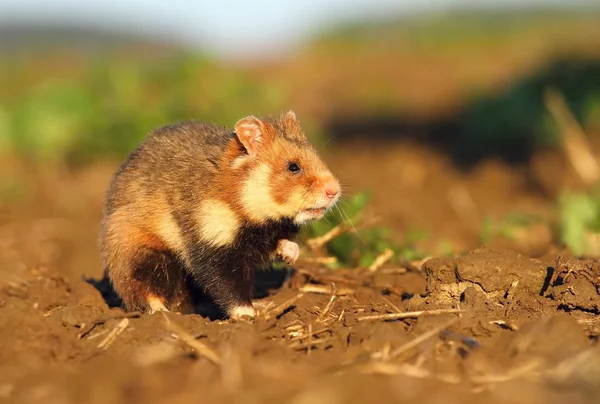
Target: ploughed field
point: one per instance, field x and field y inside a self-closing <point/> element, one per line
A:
<point x="515" y="321"/>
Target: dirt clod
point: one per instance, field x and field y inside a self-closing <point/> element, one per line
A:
<point x="577" y="284"/>
<point x="494" y="273"/>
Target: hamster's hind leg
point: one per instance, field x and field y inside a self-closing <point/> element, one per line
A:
<point x="146" y="277"/>
<point x="156" y="283"/>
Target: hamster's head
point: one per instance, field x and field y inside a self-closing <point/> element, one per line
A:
<point x="284" y="176"/>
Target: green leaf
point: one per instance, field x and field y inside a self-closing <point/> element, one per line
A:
<point x="579" y="214"/>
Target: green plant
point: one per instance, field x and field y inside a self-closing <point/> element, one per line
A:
<point x="409" y="249"/>
<point x="445" y="248"/>
<point x="361" y="247"/>
<point x="506" y="226"/>
<point x="579" y="217"/>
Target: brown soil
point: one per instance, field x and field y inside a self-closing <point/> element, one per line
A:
<point x="526" y="331"/>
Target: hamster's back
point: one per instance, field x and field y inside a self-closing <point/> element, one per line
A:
<point x="179" y="158"/>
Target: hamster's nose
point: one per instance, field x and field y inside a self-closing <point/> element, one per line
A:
<point x="332" y="189"/>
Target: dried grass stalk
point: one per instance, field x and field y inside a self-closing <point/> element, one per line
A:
<point x="410" y="314"/>
<point x="200" y="348"/>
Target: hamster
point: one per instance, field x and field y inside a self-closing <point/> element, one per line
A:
<point x="200" y="207"/>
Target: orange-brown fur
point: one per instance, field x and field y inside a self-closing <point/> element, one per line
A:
<point x="150" y="239"/>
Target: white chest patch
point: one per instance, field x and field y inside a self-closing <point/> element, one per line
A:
<point x="169" y="231"/>
<point x="217" y="223"/>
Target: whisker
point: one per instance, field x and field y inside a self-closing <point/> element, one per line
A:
<point x="342" y="213"/>
<point x="305" y="197"/>
<point x="329" y="140"/>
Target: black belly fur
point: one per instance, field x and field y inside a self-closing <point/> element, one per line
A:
<point x="226" y="273"/>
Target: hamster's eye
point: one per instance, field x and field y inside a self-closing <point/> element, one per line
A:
<point x="294" y="168"/>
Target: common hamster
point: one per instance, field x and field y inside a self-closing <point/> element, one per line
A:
<point x="201" y="206"/>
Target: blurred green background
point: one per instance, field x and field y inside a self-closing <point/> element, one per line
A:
<point x="481" y="73"/>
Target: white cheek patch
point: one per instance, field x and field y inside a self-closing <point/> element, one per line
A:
<point x="298" y="200"/>
<point x="260" y="205"/>
<point x="217" y="223"/>
<point x="256" y="196"/>
<point x="257" y="200"/>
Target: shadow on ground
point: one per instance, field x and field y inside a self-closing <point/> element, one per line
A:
<point x="266" y="281"/>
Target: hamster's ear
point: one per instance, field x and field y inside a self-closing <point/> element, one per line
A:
<point x="291" y="116"/>
<point x="290" y="119"/>
<point x="251" y="133"/>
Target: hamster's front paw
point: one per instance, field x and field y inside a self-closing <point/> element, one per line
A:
<point x="288" y="251"/>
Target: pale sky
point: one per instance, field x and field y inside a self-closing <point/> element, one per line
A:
<point x="229" y="26"/>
